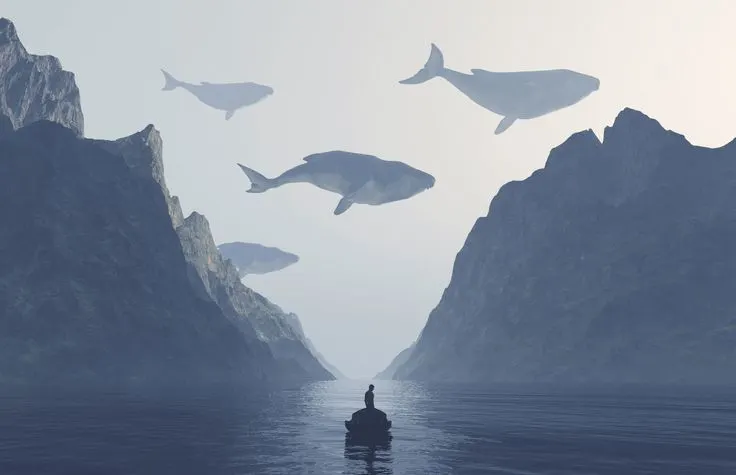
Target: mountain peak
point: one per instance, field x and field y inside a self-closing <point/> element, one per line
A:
<point x="50" y="93"/>
<point x="612" y="264"/>
<point x="633" y="126"/>
<point x="8" y="34"/>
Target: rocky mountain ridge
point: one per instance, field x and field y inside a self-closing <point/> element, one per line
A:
<point x="34" y="87"/>
<point x="613" y="263"/>
<point x="102" y="277"/>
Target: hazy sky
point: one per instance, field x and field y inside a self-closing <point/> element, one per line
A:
<point x="368" y="279"/>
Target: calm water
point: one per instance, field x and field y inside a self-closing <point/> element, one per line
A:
<point x="437" y="430"/>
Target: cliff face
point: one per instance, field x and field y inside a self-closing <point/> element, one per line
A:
<point x="93" y="282"/>
<point x="615" y="262"/>
<point x="258" y="318"/>
<point x="95" y="285"/>
<point x="35" y="87"/>
<point x="298" y="332"/>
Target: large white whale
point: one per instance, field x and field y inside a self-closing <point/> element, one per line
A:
<point x="513" y="95"/>
<point x="227" y="97"/>
<point x="358" y="178"/>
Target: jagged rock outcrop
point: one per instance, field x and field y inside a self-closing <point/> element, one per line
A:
<point x="95" y="286"/>
<point x="242" y="305"/>
<point x="614" y="263"/>
<point x="34" y="87"/>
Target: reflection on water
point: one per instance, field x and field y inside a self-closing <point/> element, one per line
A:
<point x="436" y="430"/>
<point x="376" y="454"/>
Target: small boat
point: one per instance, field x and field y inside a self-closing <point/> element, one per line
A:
<point x="368" y="422"/>
<point x="351" y="426"/>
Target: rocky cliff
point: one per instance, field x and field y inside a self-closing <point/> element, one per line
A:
<point x="35" y="87"/>
<point x="95" y="283"/>
<point x="614" y="263"/>
<point x="259" y="317"/>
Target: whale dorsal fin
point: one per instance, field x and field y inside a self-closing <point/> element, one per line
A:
<point x="505" y="123"/>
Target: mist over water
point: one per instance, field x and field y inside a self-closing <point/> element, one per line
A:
<point x="437" y="430"/>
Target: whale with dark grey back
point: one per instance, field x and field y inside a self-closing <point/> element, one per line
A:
<point x="227" y="97"/>
<point x="358" y="178"/>
<point x="513" y="95"/>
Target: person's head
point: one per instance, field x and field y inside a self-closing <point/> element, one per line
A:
<point x="370" y="387"/>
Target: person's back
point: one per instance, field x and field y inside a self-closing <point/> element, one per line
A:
<point x="368" y="398"/>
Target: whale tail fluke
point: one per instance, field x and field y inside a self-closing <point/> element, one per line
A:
<point x="258" y="182"/>
<point x="171" y="82"/>
<point x="434" y="66"/>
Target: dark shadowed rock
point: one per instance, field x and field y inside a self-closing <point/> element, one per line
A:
<point x="614" y="263"/>
<point x="6" y="126"/>
<point x="35" y="87"/>
<point x="93" y="281"/>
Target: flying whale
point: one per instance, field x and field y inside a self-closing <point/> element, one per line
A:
<point x="227" y="97"/>
<point x="358" y="178"/>
<point x="513" y="95"/>
<point x="251" y="258"/>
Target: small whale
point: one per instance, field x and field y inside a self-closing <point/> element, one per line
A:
<point x="251" y="258"/>
<point x="227" y="97"/>
<point x="513" y="95"/>
<point x="358" y="178"/>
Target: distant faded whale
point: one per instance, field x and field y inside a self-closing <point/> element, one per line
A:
<point x="514" y="95"/>
<point x="358" y="178"/>
<point x="228" y="97"/>
<point x="250" y="258"/>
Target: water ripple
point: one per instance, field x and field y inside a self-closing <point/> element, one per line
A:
<point x="526" y="430"/>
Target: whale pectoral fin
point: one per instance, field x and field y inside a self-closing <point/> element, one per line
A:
<point x="229" y="115"/>
<point x="344" y="204"/>
<point x="505" y="123"/>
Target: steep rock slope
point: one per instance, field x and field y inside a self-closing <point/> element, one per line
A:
<point x="298" y="332"/>
<point x="616" y="262"/>
<point x="259" y="317"/>
<point x="94" y="285"/>
<point x="93" y="282"/>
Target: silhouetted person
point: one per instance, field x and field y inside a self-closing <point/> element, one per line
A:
<point x="368" y="398"/>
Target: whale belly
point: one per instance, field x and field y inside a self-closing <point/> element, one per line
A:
<point x="224" y="99"/>
<point x="332" y="182"/>
<point x="371" y="194"/>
